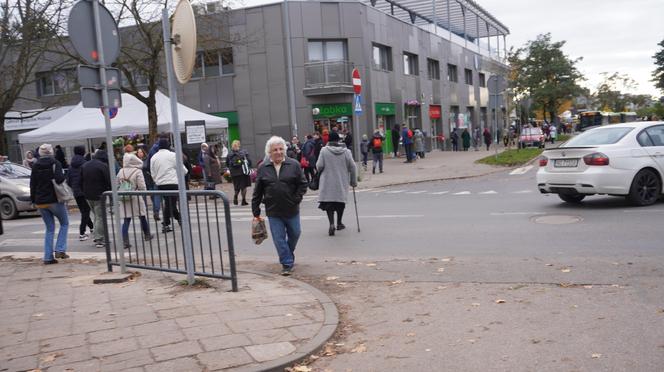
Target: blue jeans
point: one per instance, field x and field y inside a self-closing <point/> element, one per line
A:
<point x="285" y="233"/>
<point x="125" y="227"/>
<point x="49" y="214"/>
<point x="156" y="201"/>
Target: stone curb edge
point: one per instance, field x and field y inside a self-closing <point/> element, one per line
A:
<point x="330" y="323"/>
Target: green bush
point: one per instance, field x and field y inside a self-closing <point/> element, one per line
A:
<point x="512" y="157"/>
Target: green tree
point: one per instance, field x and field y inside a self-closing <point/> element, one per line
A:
<point x="542" y="72"/>
<point x="658" y="74"/>
<point x="609" y="93"/>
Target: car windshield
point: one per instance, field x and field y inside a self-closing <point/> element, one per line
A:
<point x="530" y="131"/>
<point x="10" y="170"/>
<point x="599" y="136"/>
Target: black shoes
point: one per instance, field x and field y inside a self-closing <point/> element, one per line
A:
<point x="244" y="202"/>
<point x="330" y="231"/>
<point x="166" y="229"/>
<point x="341" y="226"/>
<point x="50" y="262"/>
<point x="156" y="216"/>
<point x="61" y="255"/>
<point x="286" y="270"/>
<point x="148" y="237"/>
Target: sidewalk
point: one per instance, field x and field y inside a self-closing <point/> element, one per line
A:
<point x="53" y="318"/>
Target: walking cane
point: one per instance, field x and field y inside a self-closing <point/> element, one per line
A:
<point x="357" y="217"/>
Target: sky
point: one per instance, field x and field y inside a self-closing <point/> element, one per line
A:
<point x="611" y="35"/>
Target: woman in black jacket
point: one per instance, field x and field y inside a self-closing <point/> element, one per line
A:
<point x="74" y="180"/>
<point x="42" y="193"/>
<point x="235" y="161"/>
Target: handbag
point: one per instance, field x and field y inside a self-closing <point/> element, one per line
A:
<point x="315" y="182"/>
<point x="304" y="163"/>
<point x="62" y="190"/>
<point x="258" y="231"/>
<point x="245" y="167"/>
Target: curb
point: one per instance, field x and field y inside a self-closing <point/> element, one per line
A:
<point x="330" y="323"/>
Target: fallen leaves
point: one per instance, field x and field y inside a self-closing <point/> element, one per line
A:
<point x="332" y="278"/>
<point x="371" y="264"/>
<point x="396" y="282"/>
<point x="596" y="356"/>
<point x="301" y="369"/>
<point x="51" y="357"/>
<point x="566" y="270"/>
<point x="446" y="259"/>
<point x="410" y="334"/>
<point x="500" y="301"/>
<point x="441" y="269"/>
<point x="360" y="348"/>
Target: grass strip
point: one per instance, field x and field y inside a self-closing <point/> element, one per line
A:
<point x="512" y="157"/>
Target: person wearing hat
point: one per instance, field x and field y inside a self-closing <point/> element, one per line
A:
<point x="42" y="194"/>
<point x="162" y="168"/>
<point x="337" y="171"/>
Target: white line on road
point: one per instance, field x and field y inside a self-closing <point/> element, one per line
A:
<point x="417" y="192"/>
<point x="641" y="210"/>
<point x="487" y="192"/>
<point x="363" y="190"/>
<point x="462" y="193"/>
<point x="522" y="192"/>
<point x="439" y="193"/>
<point x="394" y="191"/>
<point x="521" y="170"/>
<point x="21" y="242"/>
<point x="515" y="213"/>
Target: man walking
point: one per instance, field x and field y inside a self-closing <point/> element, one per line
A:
<point x="377" y="151"/>
<point x="395" y="139"/>
<point x="162" y="167"/>
<point x="95" y="180"/>
<point x="407" y="139"/>
<point x="280" y="185"/>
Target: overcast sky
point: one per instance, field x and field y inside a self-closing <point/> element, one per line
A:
<point x="610" y="35"/>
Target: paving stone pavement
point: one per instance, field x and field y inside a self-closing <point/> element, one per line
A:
<point x="53" y="318"/>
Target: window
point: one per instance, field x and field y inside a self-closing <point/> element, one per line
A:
<point x="56" y="82"/>
<point x="656" y="134"/>
<point x="482" y="80"/>
<point x="468" y="74"/>
<point x="210" y="63"/>
<point x="382" y="57"/>
<point x="452" y="73"/>
<point x="434" y="69"/>
<point x="327" y="50"/>
<point x="599" y="136"/>
<point x="410" y="66"/>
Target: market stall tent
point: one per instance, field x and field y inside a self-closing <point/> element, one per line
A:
<point x="132" y="118"/>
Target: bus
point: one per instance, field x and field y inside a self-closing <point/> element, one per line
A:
<point x="592" y="119"/>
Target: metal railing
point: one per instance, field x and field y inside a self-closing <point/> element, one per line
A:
<point x="147" y="244"/>
<point x="327" y="73"/>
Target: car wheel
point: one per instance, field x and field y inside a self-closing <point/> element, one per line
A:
<point x="8" y="209"/>
<point x="646" y="188"/>
<point x="572" y="198"/>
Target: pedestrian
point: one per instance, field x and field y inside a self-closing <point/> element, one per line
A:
<point x="487" y="138"/>
<point x="280" y="185"/>
<point x="212" y="168"/>
<point x="239" y="164"/>
<point x="418" y="143"/>
<point x="42" y="194"/>
<point x="348" y="141"/>
<point x="164" y="173"/>
<point x="454" y="137"/>
<point x="95" y="180"/>
<point x="131" y="174"/>
<point x="337" y="171"/>
<point x="201" y="160"/>
<point x="60" y="156"/>
<point x="29" y="160"/>
<point x="364" y="149"/>
<point x="407" y="140"/>
<point x="395" y="139"/>
<point x="294" y="150"/>
<point x="156" y="199"/>
<point x="477" y="138"/>
<point x="465" y="138"/>
<point x="553" y="132"/>
<point x="377" y="151"/>
<point x="325" y="136"/>
<point x="309" y="152"/>
<point x="74" y="181"/>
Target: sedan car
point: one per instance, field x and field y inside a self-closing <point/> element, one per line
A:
<point x="14" y="190"/>
<point x="620" y="159"/>
<point x="531" y="136"/>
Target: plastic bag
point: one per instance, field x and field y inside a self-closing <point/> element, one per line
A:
<point x="258" y="231"/>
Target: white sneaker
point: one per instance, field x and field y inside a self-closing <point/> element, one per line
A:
<point x="83" y="237"/>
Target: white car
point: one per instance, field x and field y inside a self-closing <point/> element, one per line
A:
<point x="619" y="159"/>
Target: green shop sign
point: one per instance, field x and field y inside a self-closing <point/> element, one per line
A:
<point x="385" y="109"/>
<point x="332" y="110"/>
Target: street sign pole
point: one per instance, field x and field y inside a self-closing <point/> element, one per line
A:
<point x="109" y="139"/>
<point x="175" y="129"/>
<point x="357" y="86"/>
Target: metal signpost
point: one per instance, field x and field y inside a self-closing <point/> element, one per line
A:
<point x="357" y="110"/>
<point x="94" y="34"/>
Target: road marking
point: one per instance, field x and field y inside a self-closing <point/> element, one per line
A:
<point x="521" y="170"/>
<point x="514" y="213"/>
<point x="363" y="190"/>
<point x="641" y="210"/>
<point x="394" y="191"/>
<point x="439" y="193"/>
<point x="522" y="192"/>
<point x="395" y="216"/>
<point x="21" y="242"/>
<point x="462" y="193"/>
<point x="416" y="192"/>
<point x="487" y="192"/>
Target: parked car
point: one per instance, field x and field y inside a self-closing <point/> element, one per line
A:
<point x="14" y="190"/>
<point x="531" y="136"/>
<point x="620" y="159"/>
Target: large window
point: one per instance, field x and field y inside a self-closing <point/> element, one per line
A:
<point x="327" y="50"/>
<point x="434" y="69"/>
<point x="410" y="66"/>
<point x="212" y="63"/>
<point x="54" y="83"/>
<point x="452" y="73"/>
<point x="482" y="80"/>
<point x="468" y="74"/>
<point x="382" y="57"/>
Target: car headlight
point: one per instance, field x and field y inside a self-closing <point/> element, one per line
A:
<point x="24" y="189"/>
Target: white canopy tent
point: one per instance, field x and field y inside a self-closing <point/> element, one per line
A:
<point x="132" y="118"/>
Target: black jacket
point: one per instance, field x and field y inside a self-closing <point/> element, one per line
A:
<point x="281" y="195"/>
<point x="74" y="175"/>
<point x="234" y="162"/>
<point x="41" y="184"/>
<point x="95" y="178"/>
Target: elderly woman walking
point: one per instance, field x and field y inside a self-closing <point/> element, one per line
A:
<point x="211" y="168"/>
<point x="132" y="206"/>
<point x="42" y="193"/>
<point x="239" y="165"/>
<point x="337" y="171"/>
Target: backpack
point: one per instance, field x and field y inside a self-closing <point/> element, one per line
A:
<point x="377" y="143"/>
<point x="126" y="185"/>
<point x="410" y="133"/>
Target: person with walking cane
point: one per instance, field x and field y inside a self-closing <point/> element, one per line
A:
<point x="337" y="171"/>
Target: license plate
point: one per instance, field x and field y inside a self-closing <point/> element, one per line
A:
<point x="566" y="163"/>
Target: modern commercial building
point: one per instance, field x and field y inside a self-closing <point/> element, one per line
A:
<point x="435" y="65"/>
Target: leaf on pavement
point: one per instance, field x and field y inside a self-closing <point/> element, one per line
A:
<point x="588" y="286"/>
<point x="446" y="259"/>
<point x="475" y="304"/>
<point x="396" y="282"/>
<point x="565" y="270"/>
<point x="301" y="369"/>
<point x="38" y="315"/>
<point x="411" y="334"/>
<point x="329" y="350"/>
<point x="596" y="355"/>
<point x="441" y="269"/>
<point x="371" y="264"/>
<point x="332" y="278"/>
<point x="51" y="357"/>
<point x="361" y="348"/>
<point x="549" y="264"/>
<point x="499" y="301"/>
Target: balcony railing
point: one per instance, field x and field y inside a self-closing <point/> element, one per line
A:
<point x="328" y="77"/>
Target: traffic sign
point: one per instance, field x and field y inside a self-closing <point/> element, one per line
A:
<point x="358" y="104"/>
<point x="357" y="82"/>
<point x="82" y="33"/>
<point x="90" y="77"/>
<point x="92" y="98"/>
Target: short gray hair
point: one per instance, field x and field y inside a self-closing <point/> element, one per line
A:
<point x="274" y="140"/>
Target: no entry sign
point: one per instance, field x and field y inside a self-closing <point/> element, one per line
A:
<point x="357" y="82"/>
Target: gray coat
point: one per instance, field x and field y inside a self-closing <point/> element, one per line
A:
<point x="338" y="172"/>
<point x="418" y="141"/>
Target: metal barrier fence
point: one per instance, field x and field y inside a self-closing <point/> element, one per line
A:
<point x="148" y="244"/>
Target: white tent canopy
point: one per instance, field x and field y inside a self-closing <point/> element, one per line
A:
<point x="132" y="118"/>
